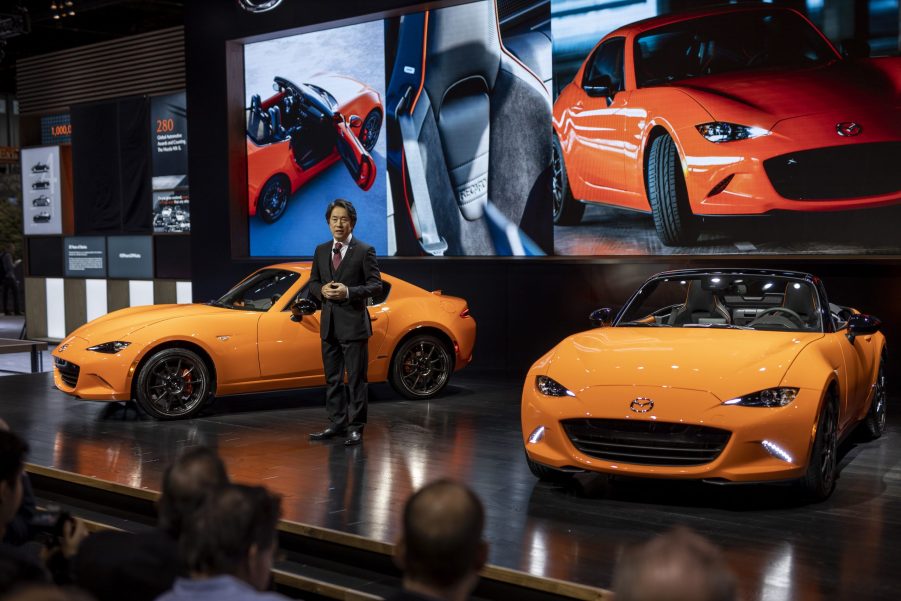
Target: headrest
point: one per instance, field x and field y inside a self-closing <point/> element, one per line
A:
<point x="698" y="298"/>
<point x="463" y="42"/>
<point x="798" y="299"/>
<point x="255" y="102"/>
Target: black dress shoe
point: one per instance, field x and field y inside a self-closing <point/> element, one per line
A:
<point x="354" y="438"/>
<point x="330" y="432"/>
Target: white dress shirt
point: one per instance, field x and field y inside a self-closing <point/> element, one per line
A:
<point x="343" y="246"/>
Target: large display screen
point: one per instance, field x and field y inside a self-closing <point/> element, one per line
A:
<point x="576" y="127"/>
<point x="437" y="133"/>
<point x="315" y="121"/>
<point x="720" y="131"/>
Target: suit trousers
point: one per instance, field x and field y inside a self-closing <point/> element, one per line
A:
<point x="346" y="403"/>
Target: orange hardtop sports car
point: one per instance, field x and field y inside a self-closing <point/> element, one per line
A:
<point x="303" y="129"/>
<point x="172" y="358"/>
<point x="738" y="110"/>
<point x="730" y="376"/>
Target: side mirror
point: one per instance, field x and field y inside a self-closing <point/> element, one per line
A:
<point x="854" y="48"/>
<point x="601" y="317"/>
<point x="302" y="307"/>
<point x="598" y="91"/>
<point x="861" y="325"/>
<point x="355" y="121"/>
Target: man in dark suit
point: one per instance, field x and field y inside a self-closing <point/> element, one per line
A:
<point x="345" y="274"/>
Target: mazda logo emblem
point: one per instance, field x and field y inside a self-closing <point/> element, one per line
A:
<point x="641" y="404"/>
<point x="848" y="129"/>
<point x="258" y="6"/>
<point x="62" y="348"/>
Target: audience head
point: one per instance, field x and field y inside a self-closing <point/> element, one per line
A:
<point x="441" y="546"/>
<point x="12" y="461"/>
<point x="186" y="484"/>
<point x="677" y="566"/>
<point x="234" y="533"/>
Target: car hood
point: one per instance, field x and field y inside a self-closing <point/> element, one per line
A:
<point x="764" y="98"/>
<point x="344" y="89"/>
<point x="726" y="363"/>
<point x="120" y="324"/>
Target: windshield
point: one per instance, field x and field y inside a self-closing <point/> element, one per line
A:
<point x="728" y="43"/>
<point x="258" y="292"/>
<point x="733" y="301"/>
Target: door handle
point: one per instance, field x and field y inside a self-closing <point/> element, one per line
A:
<point x="373" y="318"/>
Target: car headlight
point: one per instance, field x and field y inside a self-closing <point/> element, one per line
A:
<point x="720" y="131"/>
<point x="771" y="397"/>
<point x="110" y="348"/>
<point x="551" y="387"/>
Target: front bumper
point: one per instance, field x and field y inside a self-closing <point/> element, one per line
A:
<point x="803" y="165"/>
<point x="94" y="376"/>
<point x="745" y="457"/>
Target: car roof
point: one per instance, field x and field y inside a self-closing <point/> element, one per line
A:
<point x="644" y="25"/>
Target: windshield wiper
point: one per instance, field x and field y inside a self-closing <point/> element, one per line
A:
<point x="218" y="303"/>
<point x="641" y="324"/>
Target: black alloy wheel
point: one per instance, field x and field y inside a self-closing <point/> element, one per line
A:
<point x="874" y="423"/>
<point x="668" y="195"/>
<point x="173" y="383"/>
<point x="273" y="199"/>
<point x="421" y="367"/>
<point x="567" y="210"/>
<point x="819" y="481"/>
<point x="369" y="131"/>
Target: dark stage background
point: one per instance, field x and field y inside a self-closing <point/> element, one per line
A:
<point x="522" y="306"/>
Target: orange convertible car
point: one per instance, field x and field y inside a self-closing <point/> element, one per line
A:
<point x="303" y="129"/>
<point x="726" y="111"/>
<point x="728" y="376"/>
<point x="172" y="358"/>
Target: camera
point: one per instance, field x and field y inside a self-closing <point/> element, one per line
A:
<point x="46" y="525"/>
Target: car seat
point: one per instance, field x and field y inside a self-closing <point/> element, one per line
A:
<point x="799" y="298"/>
<point x="701" y="306"/>
<point x="471" y="128"/>
<point x="257" y="122"/>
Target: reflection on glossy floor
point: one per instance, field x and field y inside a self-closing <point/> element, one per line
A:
<point x="782" y="550"/>
<point x="611" y="231"/>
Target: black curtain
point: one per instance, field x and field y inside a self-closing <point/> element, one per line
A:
<point x="111" y="167"/>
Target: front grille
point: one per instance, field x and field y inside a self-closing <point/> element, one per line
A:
<point x="646" y="442"/>
<point x="851" y="171"/>
<point x="68" y="372"/>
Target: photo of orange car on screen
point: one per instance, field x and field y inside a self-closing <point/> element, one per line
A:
<point x="301" y="131"/>
<point x="724" y="112"/>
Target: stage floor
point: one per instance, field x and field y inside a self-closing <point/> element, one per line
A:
<point x="781" y="549"/>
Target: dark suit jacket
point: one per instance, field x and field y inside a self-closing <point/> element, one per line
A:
<point x="359" y="271"/>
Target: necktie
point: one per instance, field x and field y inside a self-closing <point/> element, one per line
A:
<point x="336" y="256"/>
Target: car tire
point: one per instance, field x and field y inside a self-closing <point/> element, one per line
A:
<point x="567" y="210"/>
<point x="546" y="473"/>
<point x="273" y="199"/>
<point x="874" y="423"/>
<point x="421" y="367"/>
<point x="369" y="131"/>
<point x="668" y="196"/>
<point x="173" y="383"/>
<point x="819" y="481"/>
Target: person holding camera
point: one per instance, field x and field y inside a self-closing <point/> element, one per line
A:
<point x="344" y="274"/>
<point x="16" y="565"/>
<point x="59" y="533"/>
